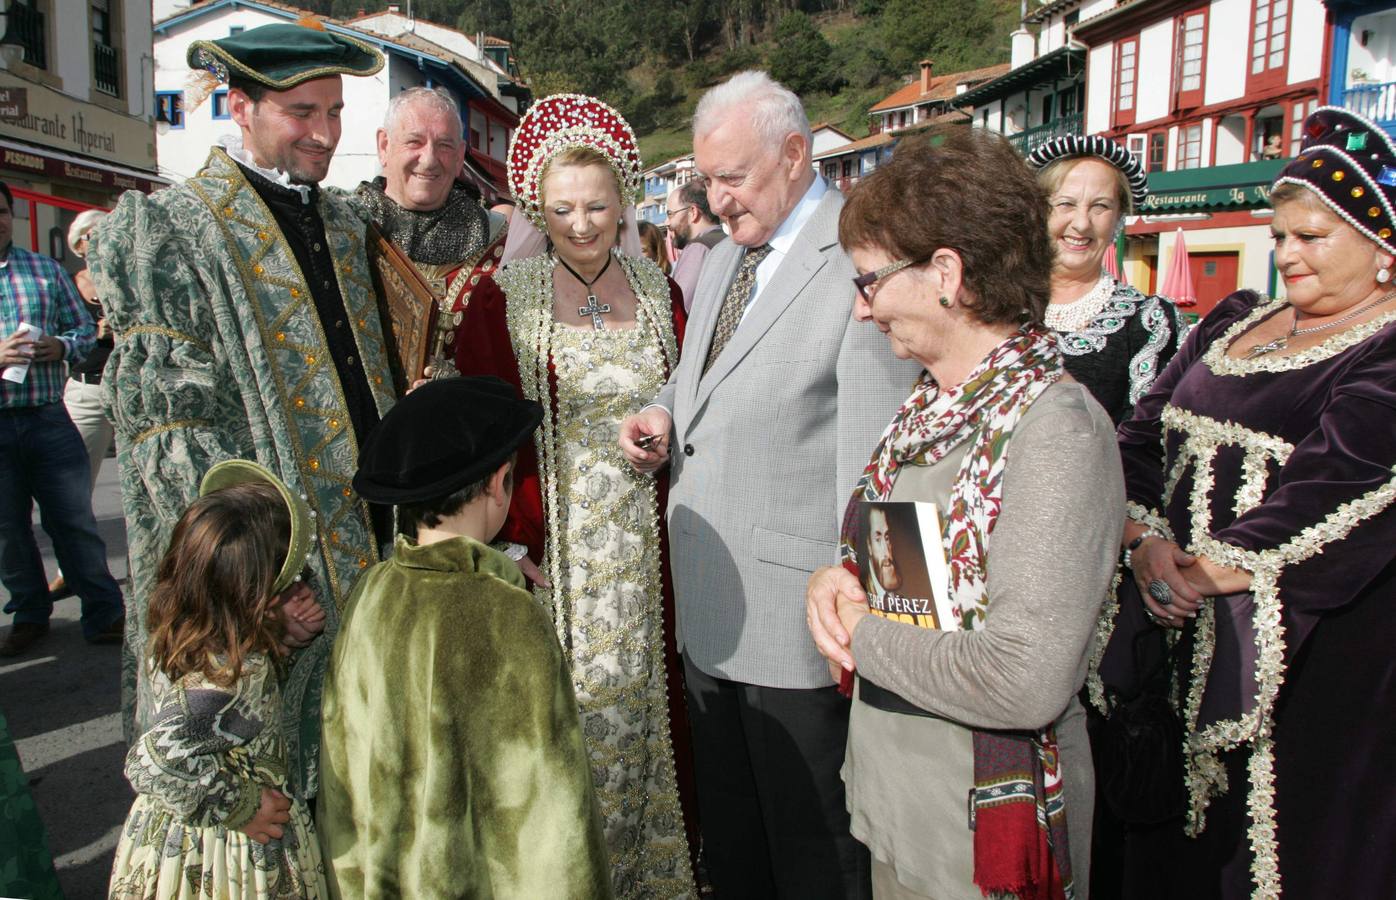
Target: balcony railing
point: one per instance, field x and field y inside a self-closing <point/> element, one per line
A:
<point x="25" y="26"/>
<point x="1028" y="139"/>
<point x="106" y="69"/>
<point x="1375" y="101"/>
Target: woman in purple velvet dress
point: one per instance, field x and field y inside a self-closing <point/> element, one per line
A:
<point x="1262" y="531"/>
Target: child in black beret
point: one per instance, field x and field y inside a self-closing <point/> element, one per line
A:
<point x="452" y="759"/>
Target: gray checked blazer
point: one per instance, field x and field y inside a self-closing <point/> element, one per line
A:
<point x="765" y="450"/>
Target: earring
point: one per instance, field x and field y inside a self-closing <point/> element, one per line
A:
<point x="1383" y="276"/>
<point x="945" y="302"/>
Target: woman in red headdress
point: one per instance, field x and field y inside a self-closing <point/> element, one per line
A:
<point x="590" y="331"/>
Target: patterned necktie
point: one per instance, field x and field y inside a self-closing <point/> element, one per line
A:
<point x="734" y="304"/>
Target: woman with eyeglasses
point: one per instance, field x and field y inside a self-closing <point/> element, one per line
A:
<point x="968" y="771"/>
<point x="1114" y="339"/>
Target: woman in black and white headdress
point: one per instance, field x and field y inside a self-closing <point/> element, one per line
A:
<point x="1116" y="339"/>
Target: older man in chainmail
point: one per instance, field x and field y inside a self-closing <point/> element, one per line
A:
<point x="431" y="240"/>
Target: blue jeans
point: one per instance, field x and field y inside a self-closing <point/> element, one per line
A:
<point x="43" y="460"/>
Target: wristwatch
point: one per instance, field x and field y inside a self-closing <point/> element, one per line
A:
<point x="1134" y="545"/>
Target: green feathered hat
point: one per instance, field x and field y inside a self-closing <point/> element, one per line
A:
<point x="282" y="56"/>
<point x="241" y="471"/>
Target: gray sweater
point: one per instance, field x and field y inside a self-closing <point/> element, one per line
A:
<point x="1051" y="557"/>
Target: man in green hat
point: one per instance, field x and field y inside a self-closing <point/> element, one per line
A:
<point x="247" y="327"/>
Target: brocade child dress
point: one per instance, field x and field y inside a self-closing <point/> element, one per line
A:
<point x="198" y="774"/>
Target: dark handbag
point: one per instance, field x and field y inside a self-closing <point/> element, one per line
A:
<point x="1140" y="758"/>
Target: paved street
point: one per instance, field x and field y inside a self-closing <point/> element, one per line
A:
<point x="62" y="701"/>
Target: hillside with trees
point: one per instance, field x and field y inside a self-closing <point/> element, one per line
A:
<point x="653" y="58"/>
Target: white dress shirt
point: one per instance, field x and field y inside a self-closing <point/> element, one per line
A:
<point x="784" y="238"/>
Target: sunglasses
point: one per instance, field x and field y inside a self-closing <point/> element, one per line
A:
<point x="868" y="279"/>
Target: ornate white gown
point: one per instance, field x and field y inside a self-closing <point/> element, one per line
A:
<point x="603" y="558"/>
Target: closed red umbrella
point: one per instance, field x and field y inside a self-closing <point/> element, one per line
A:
<point x="1177" y="285"/>
<point x="1112" y="263"/>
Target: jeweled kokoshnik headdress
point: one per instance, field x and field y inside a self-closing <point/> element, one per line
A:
<point x="557" y="123"/>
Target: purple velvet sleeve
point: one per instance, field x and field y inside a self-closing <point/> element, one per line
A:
<point x="1141" y="437"/>
<point x="1329" y="522"/>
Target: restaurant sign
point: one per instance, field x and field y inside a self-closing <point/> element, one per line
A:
<point x="14" y="103"/>
<point x="36" y="162"/>
<point x="1251" y="196"/>
<point x="37" y="114"/>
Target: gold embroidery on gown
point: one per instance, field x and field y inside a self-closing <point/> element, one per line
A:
<point x="603" y="544"/>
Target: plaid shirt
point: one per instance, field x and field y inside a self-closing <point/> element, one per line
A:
<point x="35" y="289"/>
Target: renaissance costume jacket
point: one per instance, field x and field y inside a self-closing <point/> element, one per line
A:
<point x="225" y="348"/>
<point x="453" y="762"/>
<point x="1120" y="344"/>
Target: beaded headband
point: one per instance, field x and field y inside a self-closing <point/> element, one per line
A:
<point x="1350" y="163"/>
<point x="1074" y="146"/>
<point x="558" y="123"/>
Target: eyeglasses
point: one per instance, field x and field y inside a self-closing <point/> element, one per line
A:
<point x="868" y="279"/>
<point x="670" y="213"/>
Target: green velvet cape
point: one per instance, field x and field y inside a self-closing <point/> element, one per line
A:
<point x="452" y="762"/>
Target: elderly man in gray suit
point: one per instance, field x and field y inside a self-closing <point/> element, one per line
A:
<point x="773" y="412"/>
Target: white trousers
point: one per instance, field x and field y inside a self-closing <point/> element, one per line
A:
<point x="84" y="403"/>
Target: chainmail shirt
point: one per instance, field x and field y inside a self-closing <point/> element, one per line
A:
<point x="459" y="229"/>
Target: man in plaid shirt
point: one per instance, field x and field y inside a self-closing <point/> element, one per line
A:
<point x="42" y="457"/>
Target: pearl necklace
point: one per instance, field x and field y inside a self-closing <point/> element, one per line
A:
<point x="1077" y="314"/>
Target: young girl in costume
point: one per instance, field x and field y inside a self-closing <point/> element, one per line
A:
<point x="213" y="817"/>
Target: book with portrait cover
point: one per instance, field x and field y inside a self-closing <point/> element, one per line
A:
<point x="901" y="563"/>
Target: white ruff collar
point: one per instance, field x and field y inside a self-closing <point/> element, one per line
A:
<point x="233" y="144"/>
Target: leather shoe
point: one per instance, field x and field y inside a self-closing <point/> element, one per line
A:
<point x="22" y="636"/>
<point x="114" y="633"/>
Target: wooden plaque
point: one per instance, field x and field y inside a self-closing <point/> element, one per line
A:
<point x="407" y="307"/>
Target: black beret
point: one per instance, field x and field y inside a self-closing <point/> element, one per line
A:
<point x="443" y="436"/>
<point x="1351" y="164"/>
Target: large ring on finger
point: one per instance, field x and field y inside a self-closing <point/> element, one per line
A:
<point x="1160" y="591"/>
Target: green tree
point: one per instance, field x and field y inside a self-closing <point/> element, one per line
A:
<point x="802" y="59"/>
<point x="577" y="45"/>
<point x="493" y="17"/>
<point x="956" y="35"/>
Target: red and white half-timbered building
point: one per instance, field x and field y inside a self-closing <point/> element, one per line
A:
<point x="1211" y="96"/>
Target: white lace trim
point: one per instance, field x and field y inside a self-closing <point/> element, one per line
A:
<point x="1075" y="315"/>
<point x="232" y="143"/>
<point x="1221" y="364"/>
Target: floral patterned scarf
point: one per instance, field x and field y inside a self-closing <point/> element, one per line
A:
<point x="1017" y="809"/>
